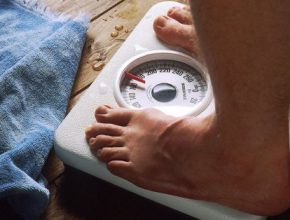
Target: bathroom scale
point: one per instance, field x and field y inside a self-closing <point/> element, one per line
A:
<point x="144" y="72"/>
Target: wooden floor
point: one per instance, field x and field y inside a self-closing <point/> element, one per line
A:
<point x="75" y="195"/>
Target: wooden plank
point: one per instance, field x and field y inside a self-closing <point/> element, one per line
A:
<point x="100" y="46"/>
<point x="100" y="42"/>
<point x="104" y="16"/>
<point x="93" y="7"/>
<point x="53" y="167"/>
<point x="74" y="100"/>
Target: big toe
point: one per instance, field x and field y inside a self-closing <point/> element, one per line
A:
<point x="175" y="33"/>
<point x="117" y="116"/>
<point x="181" y="14"/>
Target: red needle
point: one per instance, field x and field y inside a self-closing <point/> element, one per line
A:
<point x="132" y="76"/>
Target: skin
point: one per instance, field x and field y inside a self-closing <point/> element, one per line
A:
<point x="176" y="28"/>
<point x="238" y="156"/>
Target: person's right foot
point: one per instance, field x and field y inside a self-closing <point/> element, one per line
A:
<point x="177" y="29"/>
<point x="209" y="159"/>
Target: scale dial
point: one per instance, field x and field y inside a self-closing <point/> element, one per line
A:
<point x="167" y="80"/>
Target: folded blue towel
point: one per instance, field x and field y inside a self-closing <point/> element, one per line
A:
<point x="39" y="57"/>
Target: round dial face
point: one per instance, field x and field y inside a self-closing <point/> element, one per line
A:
<point x="171" y="86"/>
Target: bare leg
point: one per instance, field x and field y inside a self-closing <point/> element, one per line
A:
<point x="239" y="156"/>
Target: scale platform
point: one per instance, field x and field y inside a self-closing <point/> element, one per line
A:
<point x="72" y="148"/>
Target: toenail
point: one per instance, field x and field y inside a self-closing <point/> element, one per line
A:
<point x="92" y="140"/>
<point x="108" y="106"/>
<point x="102" y="110"/>
<point x="165" y="17"/>
<point x="87" y="129"/>
<point x="161" y="21"/>
<point x="170" y="11"/>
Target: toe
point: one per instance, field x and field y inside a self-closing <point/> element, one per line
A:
<point x="103" y="129"/>
<point x="183" y="15"/>
<point x="101" y="141"/>
<point x="174" y="33"/>
<point x="160" y="22"/>
<point x="117" y="116"/>
<point x="121" y="168"/>
<point x="103" y="109"/>
<point x="108" y="154"/>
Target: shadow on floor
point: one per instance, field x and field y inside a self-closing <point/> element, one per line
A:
<point x="90" y="198"/>
<point x="87" y="197"/>
<point x="76" y="195"/>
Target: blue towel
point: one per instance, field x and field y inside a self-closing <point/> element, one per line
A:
<point x="39" y="56"/>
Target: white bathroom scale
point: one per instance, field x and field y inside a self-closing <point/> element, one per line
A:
<point x="144" y="72"/>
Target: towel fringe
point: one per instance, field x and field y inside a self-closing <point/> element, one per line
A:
<point x="41" y="9"/>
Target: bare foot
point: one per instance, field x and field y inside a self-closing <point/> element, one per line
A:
<point x="238" y="157"/>
<point x="187" y="157"/>
<point x="177" y="29"/>
<point x="159" y="160"/>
